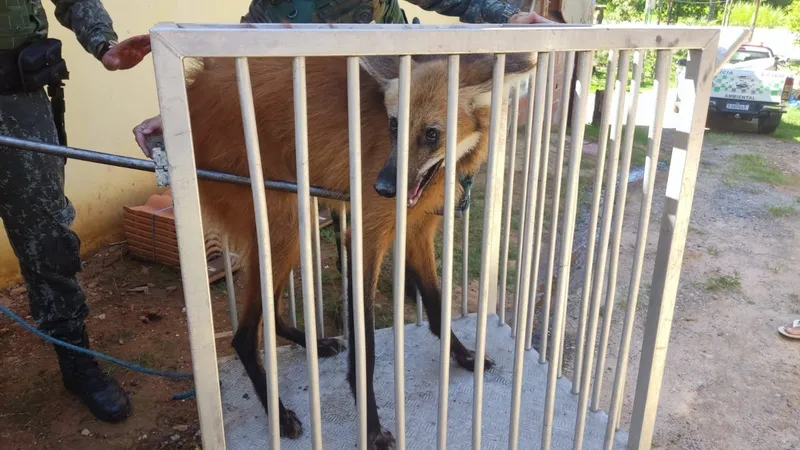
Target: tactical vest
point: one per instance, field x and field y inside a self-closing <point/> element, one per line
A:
<point x="21" y="21"/>
<point x="324" y="11"/>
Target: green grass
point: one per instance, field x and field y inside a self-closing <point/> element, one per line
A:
<point x="755" y="167"/>
<point x="776" y="268"/>
<point x="713" y="251"/>
<point x="721" y="138"/>
<point x="769" y="16"/>
<point x="724" y="282"/>
<point x="640" y="142"/>
<point x="328" y="235"/>
<point x="145" y="360"/>
<point x="789" y="129"/>
<point x="782" y="211"/>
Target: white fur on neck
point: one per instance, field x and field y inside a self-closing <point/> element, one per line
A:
<point x="465" y="146"/>
<point x="485" y="99"/>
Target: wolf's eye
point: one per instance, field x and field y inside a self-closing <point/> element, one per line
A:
<point x="432" y="134"/>
<point x="393" y="125"/>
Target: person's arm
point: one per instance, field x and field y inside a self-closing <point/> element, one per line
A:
<point x="93" y="27"/>
<point x="90" y="22"/>
<point x="480" y="11"/>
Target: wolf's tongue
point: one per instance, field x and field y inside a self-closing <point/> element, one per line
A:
<point x="414" y="193"/>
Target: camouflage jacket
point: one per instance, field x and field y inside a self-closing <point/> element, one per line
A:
<point x="24" y="21"/>
<point x="382" y="11"/>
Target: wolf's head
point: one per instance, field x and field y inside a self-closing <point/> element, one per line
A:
<point x="428" y="113"/>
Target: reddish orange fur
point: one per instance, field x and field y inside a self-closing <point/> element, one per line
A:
<point x="219" y="145"/>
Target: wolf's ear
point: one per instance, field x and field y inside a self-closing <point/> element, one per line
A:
<point x="476" y="75"/>
<point x="382" y="69"/>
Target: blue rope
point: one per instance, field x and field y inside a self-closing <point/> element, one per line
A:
<point x="75" y="348"/>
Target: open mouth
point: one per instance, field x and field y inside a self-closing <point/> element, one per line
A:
<point x="416" y="191"/>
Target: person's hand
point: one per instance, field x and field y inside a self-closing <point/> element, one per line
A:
<point x="526" y="18"/>
<point x="127" y="53"/>
<point x="150" y="127"/>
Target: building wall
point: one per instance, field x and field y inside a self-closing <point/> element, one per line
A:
<point x="103" y="107"/>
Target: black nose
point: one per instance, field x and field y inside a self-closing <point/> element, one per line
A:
<point x="385" y="188"/>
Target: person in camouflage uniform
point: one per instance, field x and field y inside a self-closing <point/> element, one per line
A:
<point x="34" y="210"/>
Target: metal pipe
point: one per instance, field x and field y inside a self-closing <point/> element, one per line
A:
<point x="522" y="213"/>
<point x="264" y="250"/>
<point x="616" y="238"/>
<point x="401" y="210"/>
<point x="357" y="243"/>
<point x="343" y="251"/>
<point x="306" y="259"/>
<point x="508" y="207"/>
<point x="419" y="309"/>
<point x="663" y="63"/>
<point x="149" y="166"/>
<point x="495" y="156"/>
<point x="292" y="299"/>
<point x="576" y="150"/>
<point x="531" y="273"/>
<point x="173" y="103"/>
<point x="559" y="169"/>
<point x="230" y="285"/>
<point x="542" y="200"/>
<point x="695" y="90"/>
<point x="451" y="143"/>
<point x="465" y="264"/>
<point x="527" y="253"/>
<point x="611" y="70"/>
<point x="605" y="232"/>
<point x="316" y="253"/>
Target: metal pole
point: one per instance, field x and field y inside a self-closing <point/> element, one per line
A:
<point x="264" y="247"/>
<point x="585" y="61"/>
<point x="149" y="166"/>
<point x="464" y="265"/>
<point x="357" y="244"/>
<point x="316" y="253"/>
<point x="542" y="200"/>
<point x="559" y="169"/>
<point x="306" y="258"/>
<point x="695" y="90"/>
<point x="495" y="158"/>
<point x="343" y="251"/>
<point x="616" y="237"/>
<point x="611" y="70"/>
<point x="231" y="286"/>
<point x="663" y="61"/>
<point x="399" y="263"/>
<point x="602" y="254"/>
<point x="512" y="156"/>
<point x="525" y="259"/>
<point x="754" y="18"/>
<point x="174" y="104"/>
<point x="447" y="252"/>
<point x="292" y="299"/>
<point x="522" y="213"/>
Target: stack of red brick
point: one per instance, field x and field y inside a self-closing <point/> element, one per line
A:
<point x="150" y="232"/>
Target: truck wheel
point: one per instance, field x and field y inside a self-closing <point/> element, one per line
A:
<point x="769" y="124"/>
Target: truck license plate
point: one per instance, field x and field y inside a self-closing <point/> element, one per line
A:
<point x="738" y="106"/>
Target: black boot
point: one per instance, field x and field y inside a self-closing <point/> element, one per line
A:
<point x="83" y="377"/>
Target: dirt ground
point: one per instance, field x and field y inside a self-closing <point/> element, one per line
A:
<point x="728" y="384"/>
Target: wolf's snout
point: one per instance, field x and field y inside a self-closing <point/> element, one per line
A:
<point x="386" y="185"/>
<point x="386" y="188"/>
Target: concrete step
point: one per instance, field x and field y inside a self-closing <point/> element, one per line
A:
<point x="246" y="423"/>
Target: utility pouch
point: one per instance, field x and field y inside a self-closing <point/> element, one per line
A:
<point x="40" y="64"/>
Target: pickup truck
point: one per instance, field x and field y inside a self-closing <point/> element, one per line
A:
<point x="750" y="86"/>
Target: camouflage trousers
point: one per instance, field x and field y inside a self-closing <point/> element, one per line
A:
<point x="37" y="216"/>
